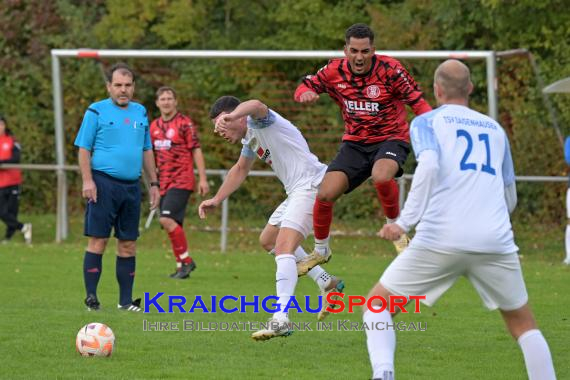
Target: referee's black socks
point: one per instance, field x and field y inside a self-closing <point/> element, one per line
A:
<point x="92" y="268"/>
<point x="126" y="278"/>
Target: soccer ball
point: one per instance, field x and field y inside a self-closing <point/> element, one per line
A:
<point x="95" y="339"/>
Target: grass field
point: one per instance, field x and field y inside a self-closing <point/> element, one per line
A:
<point x="41" y="310"/>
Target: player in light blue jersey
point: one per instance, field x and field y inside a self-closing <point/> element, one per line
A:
<point x="114" y="145"/>
<point x="461" y="195"/>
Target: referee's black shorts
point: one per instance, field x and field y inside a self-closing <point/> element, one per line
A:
<point x="117" y="208"/>
<point x="356" y="159"/>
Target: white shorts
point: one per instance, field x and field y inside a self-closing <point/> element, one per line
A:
<point x="496" y="277"/>
<point x="296" y="212"/>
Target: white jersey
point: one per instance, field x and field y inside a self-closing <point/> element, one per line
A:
<point x="466" y="209"/>
<point x="280" y="144"/>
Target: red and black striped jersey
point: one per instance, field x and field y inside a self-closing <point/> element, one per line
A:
<point x="173" y="142"/>
<point x="372" y="104"/>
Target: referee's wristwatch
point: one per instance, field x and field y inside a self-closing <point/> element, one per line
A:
<point x="155" y="183"/>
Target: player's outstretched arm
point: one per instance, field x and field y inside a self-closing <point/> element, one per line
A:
<point x="408" y="91"/>
<point x="418" y="197"/>
<point x="427" y="150"/>
<point x="236" y="175"/>
<point x="509" y="178"/>
<point x="304" y="94"/>
<point x="206" y="206"/>
<point x="423" y="182"/>
<point x="254" y="108"/>
<point x="391" y="231"/>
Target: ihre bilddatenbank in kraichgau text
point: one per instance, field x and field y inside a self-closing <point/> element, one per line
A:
<point x="339" y="325"/>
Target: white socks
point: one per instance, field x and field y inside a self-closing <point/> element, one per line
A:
<point x="300" y="254"/>
<point x="318" y="274"/>
<point x="321" y="277"/>
<point x="285" y="282"/>
<point x="322" y="246"/>
<point x="381" y="344"/>
<point x="537" y="356"/>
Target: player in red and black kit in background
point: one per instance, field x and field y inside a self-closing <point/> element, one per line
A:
<point x="371" y="90"/>
<point x="10" y="184"/>
<point x="177" y="148"/>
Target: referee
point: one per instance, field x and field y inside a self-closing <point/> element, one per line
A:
<point x="114" y="145"/>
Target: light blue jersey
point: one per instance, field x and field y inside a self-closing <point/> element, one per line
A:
<point x="467" y="210"/>
<point x="116" y="138"/>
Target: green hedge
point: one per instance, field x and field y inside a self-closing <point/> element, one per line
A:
<point x="28" y="30"/>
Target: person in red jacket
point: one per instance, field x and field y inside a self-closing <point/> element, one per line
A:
<point x="10" y="185"/>
<point x="372" y="91"/>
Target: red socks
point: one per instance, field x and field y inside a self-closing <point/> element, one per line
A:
<point x="322" y="219"/>
<point x="388" y="194"/>
<point x="179" y="245"/>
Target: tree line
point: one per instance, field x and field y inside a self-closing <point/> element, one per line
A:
<point x="29" y="29"/>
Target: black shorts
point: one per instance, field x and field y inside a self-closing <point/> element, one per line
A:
<point x="173" y="204"/>
<point x="118" y="207"/>
<point x="356" y="160"/>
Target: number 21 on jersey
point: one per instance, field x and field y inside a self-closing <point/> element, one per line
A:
<point x="465" y="164"/>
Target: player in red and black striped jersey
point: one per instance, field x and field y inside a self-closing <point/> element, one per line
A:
<point x="372" y="91"/>
<point x="177" y="148"/>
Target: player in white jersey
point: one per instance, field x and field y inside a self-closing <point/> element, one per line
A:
<point x="273" y="139"/>
<point x="461" y="195"/>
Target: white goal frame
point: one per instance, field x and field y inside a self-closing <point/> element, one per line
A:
<point x="58" y="54"/>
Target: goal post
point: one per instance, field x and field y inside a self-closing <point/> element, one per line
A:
<point x="57" y="54"/>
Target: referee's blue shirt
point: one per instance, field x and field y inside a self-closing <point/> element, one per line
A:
<point x="116" y="138"/>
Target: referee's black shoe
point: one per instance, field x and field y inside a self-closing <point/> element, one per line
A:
<point x="92" y="303"/>
<point x="133" y="306"/>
